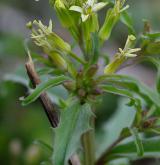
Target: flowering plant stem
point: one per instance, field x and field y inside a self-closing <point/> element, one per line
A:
<point x="88" y="141"/>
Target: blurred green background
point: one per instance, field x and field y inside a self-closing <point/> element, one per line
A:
<point x="21" y="126"/>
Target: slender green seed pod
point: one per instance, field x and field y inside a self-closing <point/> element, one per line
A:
<point x="110" y="21"/>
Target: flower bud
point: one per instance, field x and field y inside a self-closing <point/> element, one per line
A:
<point x="111" y="19"/>
<point x="70" y="85"/>
<point x="81" y="92"/>
<point x="92" y="70"/>
<point x="130" y="42"/>
<point x="97" y="91"/>
<point x="64" y="14"/>
<point x="29" y="25"/>
<point x="122" y="55"/>
<point x="58" y="60"/>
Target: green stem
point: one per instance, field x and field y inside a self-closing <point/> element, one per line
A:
<point x="77" y="58"/>
<point x="88" y="141"/>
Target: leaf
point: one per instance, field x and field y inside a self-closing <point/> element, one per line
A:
<point x="135" y="86"/>
<point x="156" y="62"/>
<point x="115" y="90"/>
<point x="152" y="36"/>
<point x="19" y="76"/>
<point x="138" y="142"/>
<point x="127" y="20"/>
<point x="74" y="122"/>
<point x="153" y="48"/>
<point x="43" y="87"/>
<point x="128" y="149"/>
<point x="111" y="130"/>
<point x="122" y="92"/>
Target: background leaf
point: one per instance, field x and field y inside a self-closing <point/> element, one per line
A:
<point x="110" y="131"/>
<point x="128" y="149"/>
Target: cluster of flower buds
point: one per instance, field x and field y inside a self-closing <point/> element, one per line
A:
<point x="52" y="44"/>
<point x="122" y="55"/>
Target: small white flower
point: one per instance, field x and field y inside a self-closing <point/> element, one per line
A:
<point x="88" y="8"/>
<point x="129" y="52"/>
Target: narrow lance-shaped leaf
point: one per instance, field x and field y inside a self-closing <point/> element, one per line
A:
<point x="156" y="62"/>
<point x="43" y="87"/>
<point x="74" y="122"/>
<point x="151" y="147"/>
<point x="118" y="91"/>
<point x="138" y="142"/>
<point x="123" y="92"/>
<point x="127" y="20"/>
<point x="135" y="86"/>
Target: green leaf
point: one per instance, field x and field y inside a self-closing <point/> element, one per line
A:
<point x="138" y="142"/>
<point x="152" y="36"/>
<point x="117" y="91"/>
<point x="111" y="130"/>
<point x="122" y="92"/>
<point x="19" y="76"/>
<point x="151" y="148"/>
<point x="156" y="62"/>
<point x="74" y="122"/>
<point x="153" y="48"/>
<point x="135" y="86"/>
<point x="43" y="87"/>
<point x="127" y="20"/>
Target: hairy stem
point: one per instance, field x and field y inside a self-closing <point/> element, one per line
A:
<point x="88" y="140"/>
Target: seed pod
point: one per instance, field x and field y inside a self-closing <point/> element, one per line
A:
<point x="110" y="21"/>
<point x="70" y="85"/>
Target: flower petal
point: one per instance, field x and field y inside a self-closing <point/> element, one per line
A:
<point x="84" y="17"/>
<point x="125" y="8"/>
<point x="99" y="6"/>
<point x="134" y="50"/>
<point x="76" y="8"/>
<point x="90" y="2"/>
<point x="130" y="55"/>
